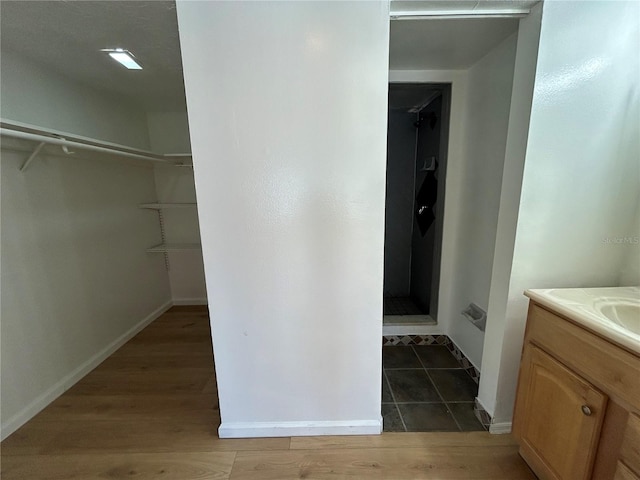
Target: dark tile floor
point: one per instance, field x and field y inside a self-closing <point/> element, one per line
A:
<point x="401" y="306"/>
<point x="424" y="389"/>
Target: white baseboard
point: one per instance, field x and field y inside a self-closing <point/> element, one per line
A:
<point x="299" y="429"/>
<point x="49" y="395"/>
<point x="500" y="428"/>
<point x="190" y="301"/>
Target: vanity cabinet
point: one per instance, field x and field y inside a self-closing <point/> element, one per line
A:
<point x="560" y="409"/>
<point x="577" y="413"/>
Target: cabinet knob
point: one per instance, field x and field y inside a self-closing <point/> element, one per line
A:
<point x="586" y="410"/>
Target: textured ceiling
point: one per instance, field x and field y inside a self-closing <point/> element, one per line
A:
<point x="66" y="36"/>
<point x="445" y="44"/>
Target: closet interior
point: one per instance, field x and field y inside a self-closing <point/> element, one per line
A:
<point x="99" y="229"/>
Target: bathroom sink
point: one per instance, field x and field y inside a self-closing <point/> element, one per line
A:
<point x="622" y="311"/>
<point x="612" y="312"/>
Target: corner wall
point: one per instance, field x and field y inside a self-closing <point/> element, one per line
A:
<point x="290" y="185"/>
<point x="487" y="118"/>
<point x="518" y="133"/>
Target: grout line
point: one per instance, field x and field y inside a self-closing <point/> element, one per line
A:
<point x="459" y="401"/>
<point x="394" y="402"/>
<point x="484" y="428"/>
<point x="438" y="392"/>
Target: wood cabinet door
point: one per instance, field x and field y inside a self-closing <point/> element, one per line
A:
<point x="624" y="473"/>
<point x="558" y="418"/>
<point x="630" y="449"/>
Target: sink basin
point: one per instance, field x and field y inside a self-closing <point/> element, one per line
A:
<point x="623" y="311"/>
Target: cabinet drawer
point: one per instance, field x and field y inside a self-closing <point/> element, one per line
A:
<point x="630" y="450"/>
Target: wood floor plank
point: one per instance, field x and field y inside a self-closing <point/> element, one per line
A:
<point x="143" y="436"/>
<point x="117" y="362"/>
<point x="169" y="466"/>
<point x="31" y="439"/>
<point x="477" y="463"/>
<point x="403" y="440"/>
<point x="82" y="408"/>
<point x="147" y="436"/>
<point x="190" y="331"/>
<point x="166" y="348"/>
<point x="157" y="381"/>
<point x="151" y="411"/>
<point x="185" y="309"/>
<point x="176" y="318"/>
<point x="211" y="387"/>
<point x="173" y="317"/>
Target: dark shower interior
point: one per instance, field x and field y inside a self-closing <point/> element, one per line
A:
<point x="411" y="217"/>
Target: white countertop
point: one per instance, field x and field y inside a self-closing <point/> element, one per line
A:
<point x="584" y="305"/>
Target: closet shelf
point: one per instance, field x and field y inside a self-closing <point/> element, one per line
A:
<point x="174" y="247"/>
<point x="161" y="206"/>
<point x="44" y="137"/>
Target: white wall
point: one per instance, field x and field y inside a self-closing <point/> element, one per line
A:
<point x="38" y="96"/>
<point x="76" y="280"/>
<point x="630" y="263"/>
<point x="169" y="133"/>
<point x="290" y="185"/>
<point x="487" y="117"/>
<point x="581" y="177"/>
<point x="75" y="276"/>
<point x="518" y="132"/>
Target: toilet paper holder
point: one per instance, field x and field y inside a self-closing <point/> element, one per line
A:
<point x="476" y="316"/>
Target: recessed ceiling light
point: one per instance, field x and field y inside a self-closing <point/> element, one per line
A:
<point x="124" y="57"/>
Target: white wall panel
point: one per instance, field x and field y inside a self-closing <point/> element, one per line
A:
<point x="287" y="109"/>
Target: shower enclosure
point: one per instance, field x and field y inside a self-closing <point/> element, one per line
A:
<point x="416" y="164"/>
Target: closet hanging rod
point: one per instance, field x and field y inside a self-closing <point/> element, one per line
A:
<point x="44" y="139"/>
<point x="49" y="132"/>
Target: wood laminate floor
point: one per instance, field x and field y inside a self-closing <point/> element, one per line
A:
<point x="150" y="411"/>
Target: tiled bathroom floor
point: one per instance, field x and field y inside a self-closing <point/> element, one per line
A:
<point x="424" y="389"/>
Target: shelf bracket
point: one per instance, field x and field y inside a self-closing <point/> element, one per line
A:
<point x="33" y="155"/>
<point x="65" y="148"/>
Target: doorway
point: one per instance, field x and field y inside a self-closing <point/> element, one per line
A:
<point x="417" y="141"/>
